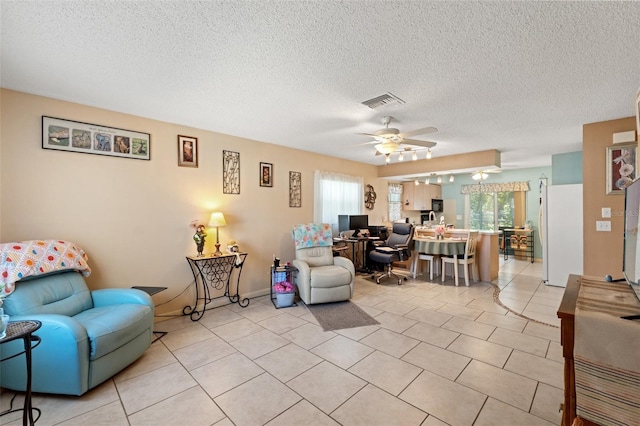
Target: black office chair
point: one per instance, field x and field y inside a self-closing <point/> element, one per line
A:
<point x="396" y="248"/>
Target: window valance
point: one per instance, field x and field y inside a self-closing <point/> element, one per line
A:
<point x="494" y="187"/>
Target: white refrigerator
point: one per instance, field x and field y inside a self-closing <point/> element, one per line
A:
<point x="561" y="233"/>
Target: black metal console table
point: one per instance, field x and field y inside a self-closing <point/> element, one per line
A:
<point x="214" y="273"/>
<point x="23" y="330"/>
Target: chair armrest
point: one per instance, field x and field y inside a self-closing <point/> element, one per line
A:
<point x="403" y="251"/>
<point x="387" y="249"/>
<point x="118" y="296"/>
<point x="345" y="263"/>
<point x="63" y="352"/>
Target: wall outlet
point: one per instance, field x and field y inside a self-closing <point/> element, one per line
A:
<point x="458" y="217"/>
<point x="606" y="212"/>
<point x="603" y="225"/>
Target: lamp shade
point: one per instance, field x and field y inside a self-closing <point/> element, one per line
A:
<point x="480" y="176"/>
<point x="386" y="147"/>
<point x="217" y="219"/>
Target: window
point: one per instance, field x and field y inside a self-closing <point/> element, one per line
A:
<point x="489" y="211"/>
<point x="506" y="209"/>
<point x="336" y="194"/>
<point x="395" y="202"/>
<point x="482" y="211"/>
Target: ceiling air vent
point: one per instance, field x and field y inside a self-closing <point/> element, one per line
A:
<point x="383" y="100"/>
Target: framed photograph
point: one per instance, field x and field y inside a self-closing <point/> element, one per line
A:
<point x="187" y="151"/>
<point x="230" y="172"/>
<point x="295" y="189"/>
<point x="622" y="166"/>
<point x="266" y="174"/>
<point x="87" y="138"/>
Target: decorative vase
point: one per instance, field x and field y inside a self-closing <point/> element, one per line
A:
<point x="285" y="299"/>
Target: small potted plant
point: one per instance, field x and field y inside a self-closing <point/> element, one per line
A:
<point x="285" y="293"/>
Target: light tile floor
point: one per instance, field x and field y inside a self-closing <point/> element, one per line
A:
<point x="440" y="355"/>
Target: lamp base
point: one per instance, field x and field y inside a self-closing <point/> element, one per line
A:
<point x="217" y="252"/>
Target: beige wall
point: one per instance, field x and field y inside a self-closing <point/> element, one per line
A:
<point x="132" y="217"/>
<point x="602" y="250"/>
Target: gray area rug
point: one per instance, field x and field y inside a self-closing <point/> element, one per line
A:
<point x="339" y="315"/>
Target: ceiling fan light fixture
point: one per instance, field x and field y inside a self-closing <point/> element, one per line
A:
<point x="428" y="153"/>
<point x="480" y="176"/>
<point x="386" y="147"/>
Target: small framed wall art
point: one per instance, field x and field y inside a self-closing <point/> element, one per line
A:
<point x="187" y="151"/>
<point x="295" y="189"/>
<point x="230" y="172"/>
<point x="622" y="166"/>
<point x="76" y="136"/>
<point x="266" y="174"/>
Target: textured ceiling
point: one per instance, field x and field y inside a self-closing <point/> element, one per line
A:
<point x="519" y="77"/>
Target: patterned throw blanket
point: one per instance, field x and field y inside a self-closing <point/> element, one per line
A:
<point x="23" y="259"/>
<point x="312" y="235"/>
<point x="607" y="354"/>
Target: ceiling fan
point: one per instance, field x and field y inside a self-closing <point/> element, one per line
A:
<point x="481" y="175"/>
<point x="389" y="140"/>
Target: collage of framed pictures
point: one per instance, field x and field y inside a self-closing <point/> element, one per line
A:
<point x="75" y="136"/>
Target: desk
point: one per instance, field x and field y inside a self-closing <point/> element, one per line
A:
<point x="23" y="330"/>
<point x="363" y="252"/>
<point x="214" y="273"/>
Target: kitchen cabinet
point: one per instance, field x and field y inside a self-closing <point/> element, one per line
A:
<point x="418" y="197"/>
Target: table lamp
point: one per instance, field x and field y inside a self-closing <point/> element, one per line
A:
<point x="216" y="221"/>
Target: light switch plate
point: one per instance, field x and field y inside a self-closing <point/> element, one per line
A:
<point x="606" y="212"/>
<point x="603" y="225"/>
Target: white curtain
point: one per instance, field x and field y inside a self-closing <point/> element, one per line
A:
<point x="336" y="194"/>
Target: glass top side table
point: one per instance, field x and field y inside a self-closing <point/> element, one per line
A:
<point x="23" y="330"/>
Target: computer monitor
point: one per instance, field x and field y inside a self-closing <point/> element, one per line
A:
<point x="358" y="222"/>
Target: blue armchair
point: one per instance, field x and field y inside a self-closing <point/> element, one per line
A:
<point x="87" y="336"/>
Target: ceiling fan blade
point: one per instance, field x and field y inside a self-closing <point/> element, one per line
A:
<point x="423" y="131"/>
<point x="426" y="144"/>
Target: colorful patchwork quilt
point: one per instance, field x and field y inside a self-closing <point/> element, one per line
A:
<point x="23" y="259"/>
<point x="312" y="235"/>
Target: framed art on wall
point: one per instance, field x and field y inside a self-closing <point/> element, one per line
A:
<point x="187" y="151"/>
<point x="295" y="189"/>
<point x="266" y="174"/>
<point x="87" y="138"/>
<point x="622" y="166"/>
<point x="230" y="172"/>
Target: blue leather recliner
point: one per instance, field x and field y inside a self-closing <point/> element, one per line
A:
<point x="87" y="336"/>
